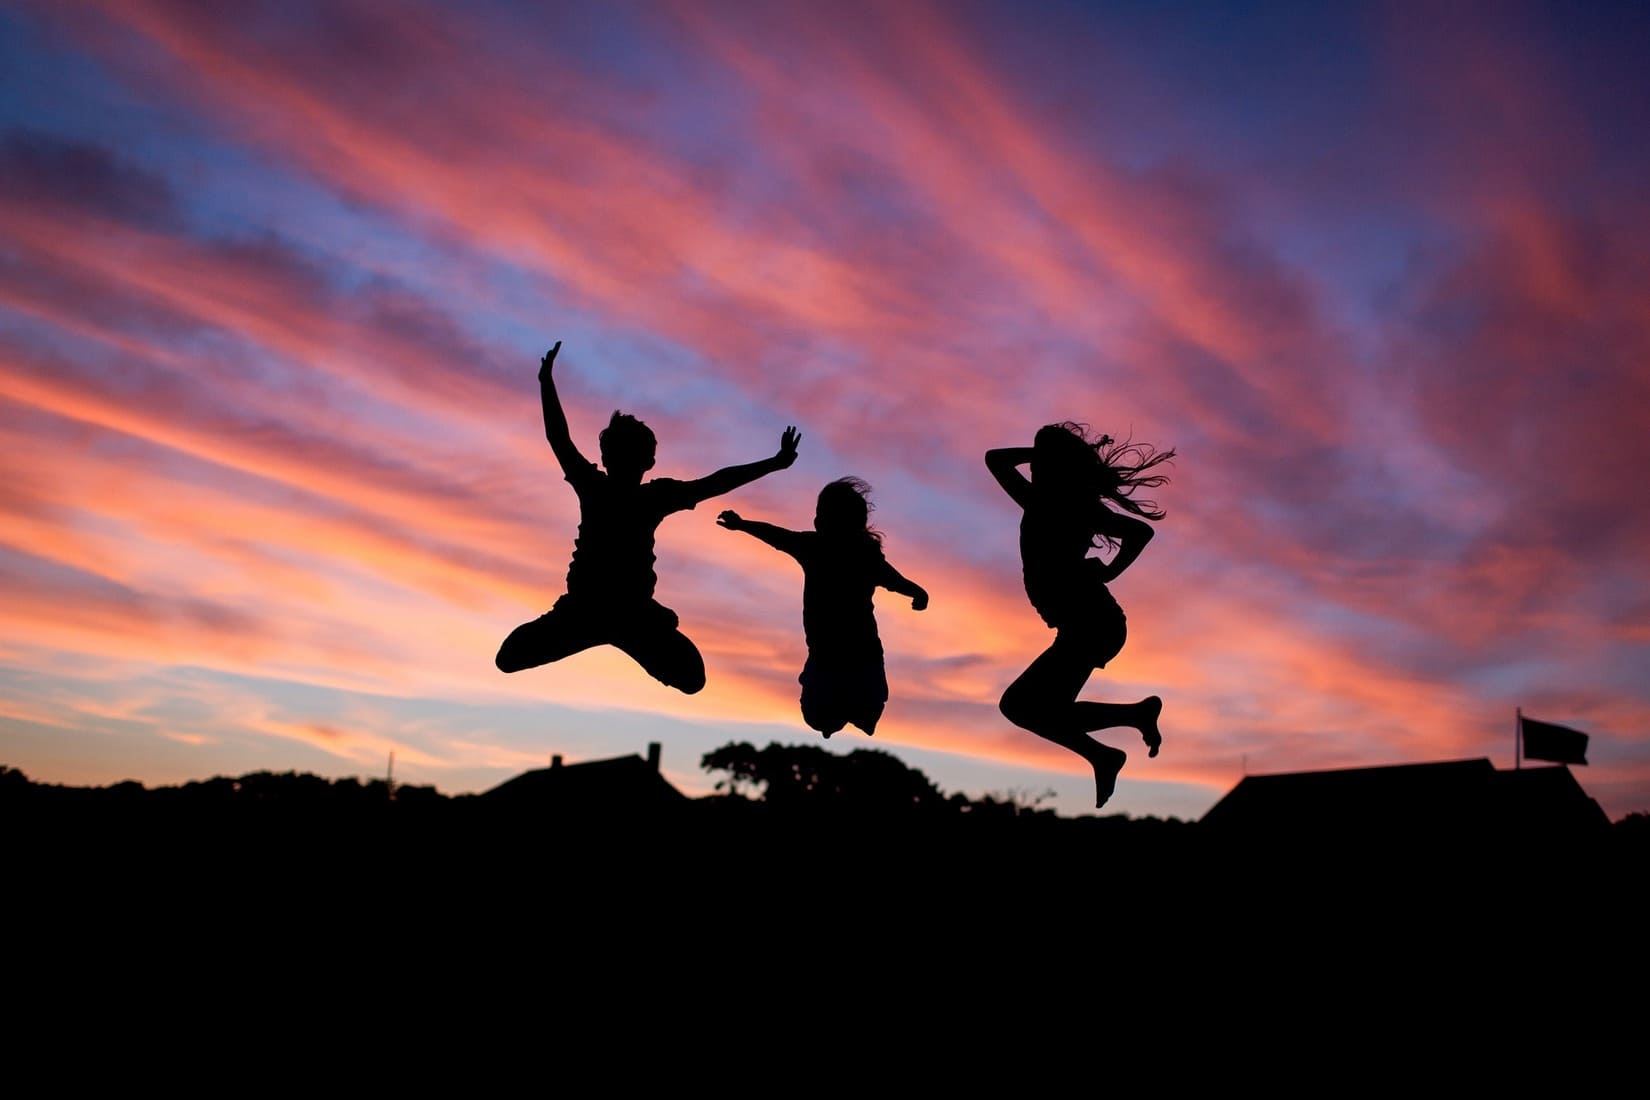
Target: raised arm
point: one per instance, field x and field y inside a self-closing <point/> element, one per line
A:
<point x="780" y="538"/>
<point x="1131" y="534"/>
<point x="555" y="421"/>
<point x="1004" y="464"/>
<point x="730" y="478"/>
<point x="894" y="581"/>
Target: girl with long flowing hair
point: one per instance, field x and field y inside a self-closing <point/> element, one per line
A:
<point x="1081" y="495"/>
<point x="843" y="682"/>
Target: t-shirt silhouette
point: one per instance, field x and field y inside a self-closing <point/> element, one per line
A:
<point x="613" y="552"/>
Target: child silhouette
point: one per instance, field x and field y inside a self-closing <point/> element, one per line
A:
<point x="1068" y="510"/>
<point x="610" y="581"/>
<point x="843" y="681"/>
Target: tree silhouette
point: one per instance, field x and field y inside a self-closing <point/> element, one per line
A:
<point x="807" y="776"/>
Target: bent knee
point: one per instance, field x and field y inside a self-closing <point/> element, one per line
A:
<point x="1018" y="707"/>
<point x="517" y="651"/>
<point x="1009" y="709"/>
<point x="689" y="680"/>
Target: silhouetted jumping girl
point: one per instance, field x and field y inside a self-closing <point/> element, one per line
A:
<point x="843" y="681"/>
<point x="610" y="580"/>
<point x="1068" y="504"/>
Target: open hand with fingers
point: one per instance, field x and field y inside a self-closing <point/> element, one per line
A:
<point x="730" y="519"/>
<point x="547" y="364"/>
<point x="787" y="447"/>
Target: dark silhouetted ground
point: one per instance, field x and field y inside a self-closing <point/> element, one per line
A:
<point x="802" y="894"/>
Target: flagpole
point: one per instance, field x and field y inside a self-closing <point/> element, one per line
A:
<point x="1518" y="738"/>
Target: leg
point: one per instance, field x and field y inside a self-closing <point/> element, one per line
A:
<point x="1081" y="652"/>
<point x="1145" y="717"/>
<point x="669" y="656"/>
<point x="559" y="632"/>
<point x="838" y="691"/>
<point x="869" y="700"/>
<point x="826" y="719"/>
<point x="1141" y="716"/>
<point x="1100" y="640"/>
<point x="1044" y="701"/>
<point x="820" y="710"/>
<point x="867" y="716"/>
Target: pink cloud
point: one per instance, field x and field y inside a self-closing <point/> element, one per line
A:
<point x="923" y="260"/>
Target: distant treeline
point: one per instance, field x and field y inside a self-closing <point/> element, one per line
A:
<point x="763" y="796"/>
<point x="790" y="783"/>
<point x="794" y="819"/>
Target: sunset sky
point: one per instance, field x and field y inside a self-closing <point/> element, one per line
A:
<point x="275" y="280"/>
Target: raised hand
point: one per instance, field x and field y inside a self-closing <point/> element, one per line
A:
<point x="730" y="519"/>
<point x="548" y="362"/>
<point x="787" y="447"/>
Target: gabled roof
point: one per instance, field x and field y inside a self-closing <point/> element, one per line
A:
<point x="619" y="784"/>
<point x="1461" y="797"/>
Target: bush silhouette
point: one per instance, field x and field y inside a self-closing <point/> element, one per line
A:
<point x="807" y="776"/>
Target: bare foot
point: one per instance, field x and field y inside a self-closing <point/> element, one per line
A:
<point x="1150" y="708"/>
<point x="1107" y="763"/>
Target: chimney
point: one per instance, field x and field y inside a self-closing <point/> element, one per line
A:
<point x="653" y="755"/>
<point x="555" y="761"/>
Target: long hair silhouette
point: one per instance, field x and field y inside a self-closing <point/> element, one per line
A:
<point x="844" y="681"/>
<point x="1080" y="496"/>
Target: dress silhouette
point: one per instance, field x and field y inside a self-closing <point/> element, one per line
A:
<point x="610" y="581"/>
<point x="843" y="681"/>
<point x="1071" y="502"/>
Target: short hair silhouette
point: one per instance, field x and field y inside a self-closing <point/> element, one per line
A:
<point x="627" y="442"/>
<point x="610" y="580"/>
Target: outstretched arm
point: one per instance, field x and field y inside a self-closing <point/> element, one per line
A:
<point x="730" y="478"/>
<point x="555" y="421"/>
<point x="1004" y="464"/>
<point x="780" y="538"/>
<point x="1131" y="534"/>
<point x="894" y="581"/>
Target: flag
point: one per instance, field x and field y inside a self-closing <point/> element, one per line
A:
<point x="1545" y="741"/>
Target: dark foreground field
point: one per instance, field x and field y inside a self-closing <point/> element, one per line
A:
<point x="330" y="862"/>
<point x="809" y="939"/>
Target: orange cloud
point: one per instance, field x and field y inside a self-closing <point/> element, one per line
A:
<point x="281" y="452"/>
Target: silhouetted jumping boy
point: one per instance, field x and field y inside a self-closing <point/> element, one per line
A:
<point x="1067" y="512"/>
<point x="843" y="681"/>
<point x="610" y="581"/>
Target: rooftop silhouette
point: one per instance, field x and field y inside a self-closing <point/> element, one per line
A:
<point x="621" y="784"/>
<point x="1457" y="798"/>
